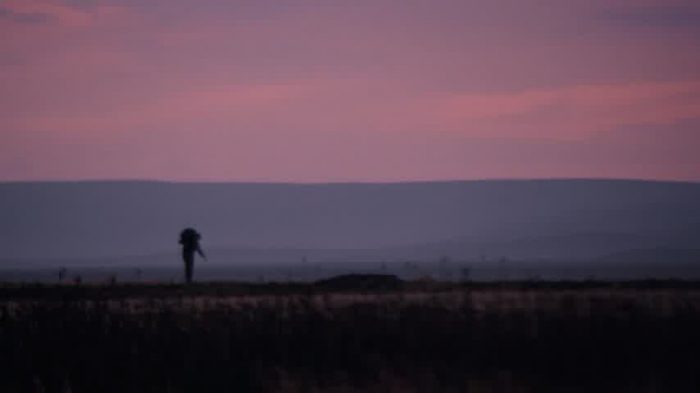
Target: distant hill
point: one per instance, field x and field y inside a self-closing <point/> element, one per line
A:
<point x="655" y="255"/>
<point x="577" y="219"/>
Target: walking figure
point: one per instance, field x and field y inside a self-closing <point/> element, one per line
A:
<point x="189" y="238"/>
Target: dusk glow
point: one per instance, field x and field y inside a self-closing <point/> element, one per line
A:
<point x="315" y="91"/>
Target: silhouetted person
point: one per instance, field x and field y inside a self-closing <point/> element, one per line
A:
<point x="189" y="238"/>
<point x="62" y="273"/>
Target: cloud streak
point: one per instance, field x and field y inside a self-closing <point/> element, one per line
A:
<point x="35" y="11"/>
<point x="664" y="16"/>
<point x="576" y="111"/>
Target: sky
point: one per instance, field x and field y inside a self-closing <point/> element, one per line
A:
<point x="335" y="91"/>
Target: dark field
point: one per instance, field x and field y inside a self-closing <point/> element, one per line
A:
<point x="377" y="337"/>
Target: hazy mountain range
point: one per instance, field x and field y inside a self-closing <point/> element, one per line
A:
<point x="137" y="223"/>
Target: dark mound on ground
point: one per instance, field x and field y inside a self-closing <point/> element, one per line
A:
<point x="361" y="282"/>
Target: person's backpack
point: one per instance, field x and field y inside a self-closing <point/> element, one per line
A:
<point x="189" y="236"/>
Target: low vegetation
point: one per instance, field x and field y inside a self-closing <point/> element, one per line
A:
<point x="414" y="337"/>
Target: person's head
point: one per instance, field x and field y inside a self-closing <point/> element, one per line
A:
<point x="189" y="235"/>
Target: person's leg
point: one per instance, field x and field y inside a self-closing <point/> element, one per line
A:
<point x="189" y="264"/>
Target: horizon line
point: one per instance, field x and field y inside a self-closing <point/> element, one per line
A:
<point x="350" y="182"/>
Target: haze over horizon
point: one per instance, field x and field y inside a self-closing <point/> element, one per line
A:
<point x="561" y="219"/>
<point x="369" y="91"/>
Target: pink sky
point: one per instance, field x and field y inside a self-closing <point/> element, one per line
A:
<point x="370" y="90"/>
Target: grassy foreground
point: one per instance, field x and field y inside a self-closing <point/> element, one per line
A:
<point x="416" y="337"/>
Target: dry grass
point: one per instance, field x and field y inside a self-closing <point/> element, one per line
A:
<point x="494" y="338"/>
